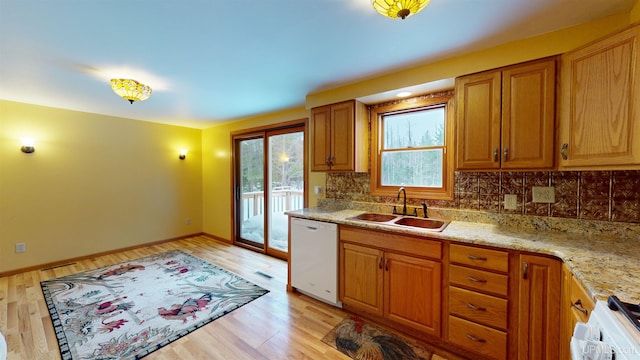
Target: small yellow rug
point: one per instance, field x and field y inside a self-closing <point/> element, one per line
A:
<point x="362" y="340"/>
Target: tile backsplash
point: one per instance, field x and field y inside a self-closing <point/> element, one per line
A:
<point x="585" y="195"/>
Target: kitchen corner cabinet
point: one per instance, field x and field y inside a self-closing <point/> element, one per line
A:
<point x="394" y="277"/>
<point x="506" y="117"/>
<point x="539" y="308"/>
<point x="599" y="104"/>
<point x="339" y="137"/>
<point x="576" y="306"/>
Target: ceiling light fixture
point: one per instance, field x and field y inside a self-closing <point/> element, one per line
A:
<point x="130" y="89"/>
<point x="399" y="8"/>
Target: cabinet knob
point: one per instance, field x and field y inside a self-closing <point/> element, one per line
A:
<point x="506" y="154"/>
<point x="563" y="151"/>
<point x="496" y="151"/>
<point x="525" y="268"/>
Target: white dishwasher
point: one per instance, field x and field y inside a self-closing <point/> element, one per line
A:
<point x="314" y="259"/>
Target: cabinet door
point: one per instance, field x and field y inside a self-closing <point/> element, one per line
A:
<point x="539" y="312"/>
<point x="361" y="277"/>
<point x="528" y="115"/>
<point x="478" y="121"/>
<point x="600" y="111"/>
<point x="320" y="138"/>
<point x="413" y="292"/>
<point x="342" y="128"/>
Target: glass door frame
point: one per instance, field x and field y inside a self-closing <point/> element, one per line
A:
<point x="255" y="133"/>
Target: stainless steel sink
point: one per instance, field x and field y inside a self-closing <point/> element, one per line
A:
<point x="400" y="220"/>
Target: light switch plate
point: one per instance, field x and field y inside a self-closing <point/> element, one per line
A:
<point x="510" y="202"/>
<point x="544" y="194"/>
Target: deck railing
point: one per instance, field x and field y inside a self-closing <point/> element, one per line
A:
<point x="281" y="201"/>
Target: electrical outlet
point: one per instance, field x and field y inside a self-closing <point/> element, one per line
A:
<point x="187" y="221"/>
<point x="544" y="194"/>
<point x="510" y="202"/>
<point x="21" y="247"/>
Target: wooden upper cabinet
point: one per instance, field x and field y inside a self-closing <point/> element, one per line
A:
<point x="506" y="117"/>
<point x="321" y="138"/>
<point x="339" y="137"/>
<point x="600" y="108"/>
<point x="478" y="102"/>
<point x="528" y="115"/>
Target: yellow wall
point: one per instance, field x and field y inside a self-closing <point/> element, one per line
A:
<point x="635" y="13"/>
<point x="95" y="183"/>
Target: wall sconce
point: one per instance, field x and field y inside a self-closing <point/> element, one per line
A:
<point x="183" y="154"/>
<point x="27" y="146"/>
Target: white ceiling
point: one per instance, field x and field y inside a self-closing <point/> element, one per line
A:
<point x="212" y="61"/>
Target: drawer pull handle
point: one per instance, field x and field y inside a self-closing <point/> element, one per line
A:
<point x="578" y="306"/>
<point x="478" y="308"/>
<point x="473" y="338"/>
<point x="472" y="279"/>
<point x="480" y="258"/>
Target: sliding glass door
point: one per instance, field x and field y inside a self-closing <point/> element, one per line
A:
<point x="269" y="180"/>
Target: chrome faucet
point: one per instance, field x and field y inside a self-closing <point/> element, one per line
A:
<point x="404" y="204"/>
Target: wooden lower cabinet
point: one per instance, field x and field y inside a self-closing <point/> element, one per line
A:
<point x="361" y="278"/>
<point x="576" y="306"/>
<point x="478" y="338"/>
<point x="478" y="300"/>
<point x="399" y="287"/>
<point x="538" y="320"/>
<point x="412" y="292"/>
<point x="498" y="303"/>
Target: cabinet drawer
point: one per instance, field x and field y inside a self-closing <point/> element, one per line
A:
<point x="484" y="309"/>
<point x="479" y="280"/>
<point x="478" y="338"/>
<point x="415" y="246"/>
<point x="581" y="303"/>
<point x="483" y="258"/>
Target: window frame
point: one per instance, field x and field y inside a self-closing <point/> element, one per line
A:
<point x="376" y="114"/>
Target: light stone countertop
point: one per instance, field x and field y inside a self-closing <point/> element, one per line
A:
<point x="604" y="263"/>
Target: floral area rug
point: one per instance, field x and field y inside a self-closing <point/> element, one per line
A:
<point x="129" y="310"/>
<point x="362" y="340"/>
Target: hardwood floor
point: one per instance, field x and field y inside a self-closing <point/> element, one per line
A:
<point x="279" y="325"/>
